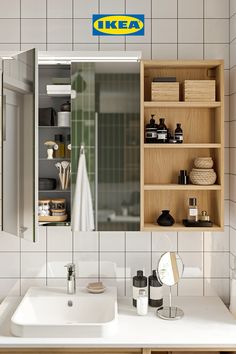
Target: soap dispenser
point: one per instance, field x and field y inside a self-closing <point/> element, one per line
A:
<point x="139" y="283"/>
<point x="155" y="290"/>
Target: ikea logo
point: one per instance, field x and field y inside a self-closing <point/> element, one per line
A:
<point x="118" y="25"/>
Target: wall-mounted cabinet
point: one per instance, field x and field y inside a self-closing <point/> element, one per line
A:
<point x="128" y="191"/>
<point x="203" y="136"/>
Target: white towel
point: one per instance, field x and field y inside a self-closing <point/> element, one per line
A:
<point x="82" y="214"/>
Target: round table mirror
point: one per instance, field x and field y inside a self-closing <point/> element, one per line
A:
<point x="170" y="270"/>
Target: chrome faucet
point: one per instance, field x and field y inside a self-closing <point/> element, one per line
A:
<point x="71" y="283"/>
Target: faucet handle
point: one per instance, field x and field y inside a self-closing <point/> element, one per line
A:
<point x="70" y="267"/>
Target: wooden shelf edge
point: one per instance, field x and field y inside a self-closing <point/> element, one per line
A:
<point x="179" y="227"/>
<point x="182" y="104"/>
<point x="179" y="187"/>
<point x="182" y="146"/>
<point x="209" y="63"/>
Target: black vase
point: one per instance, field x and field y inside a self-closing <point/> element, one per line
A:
<point x="165" y="219"/>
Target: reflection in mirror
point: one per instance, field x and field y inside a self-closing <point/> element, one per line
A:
<point x="106" y="117"/>
<point x="170" y="270"/>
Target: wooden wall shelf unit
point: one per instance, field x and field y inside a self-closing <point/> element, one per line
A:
<point x="203" y="127"/>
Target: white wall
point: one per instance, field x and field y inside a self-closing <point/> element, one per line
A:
<point x="174" y="29"/>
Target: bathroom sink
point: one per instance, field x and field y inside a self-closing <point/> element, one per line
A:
<point x="51" y="312"/>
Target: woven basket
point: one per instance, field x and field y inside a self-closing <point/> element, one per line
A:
<point x="202" y="176"/>
<point x="203" y="162"/>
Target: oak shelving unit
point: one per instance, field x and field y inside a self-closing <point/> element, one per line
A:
<point x="203" y="126"/>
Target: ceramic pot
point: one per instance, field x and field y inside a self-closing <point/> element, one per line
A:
<point x="165" y="219"/>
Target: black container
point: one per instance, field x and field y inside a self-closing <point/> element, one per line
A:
<point x="47" y="184"/>
<point x="151" y="131"/>
<point x="179" y="137"/>
<point x="162" y="132"/>
<point x="183" y="177"/>
<point x="165" y="219"/>
<point x="47" y="116"/>
<point x="155" y="298"/>
<point x="139" y="282"/>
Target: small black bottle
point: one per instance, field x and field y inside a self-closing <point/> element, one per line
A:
<point x="139" y="282"/>
<point x="162" y="132"/>
<point x="151" y="131"/>
<point x="179" y="134"/>
<point x="155" y="298"/>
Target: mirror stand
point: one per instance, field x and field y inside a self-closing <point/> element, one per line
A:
<point x="170" y="312"/>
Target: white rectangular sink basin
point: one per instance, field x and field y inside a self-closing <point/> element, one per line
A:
<point x="51" y="312"/>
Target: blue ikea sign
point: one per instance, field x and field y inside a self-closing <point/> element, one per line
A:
<point x="118" y="25"/>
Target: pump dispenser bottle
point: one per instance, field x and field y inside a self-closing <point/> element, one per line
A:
<point x="139" y="282"/>
<point x="155" y="290"/>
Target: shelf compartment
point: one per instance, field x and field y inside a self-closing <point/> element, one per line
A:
<point x="181" y="104"/>
<point x="177" y="202"/>
<point x="178" y="227"/>
<point x="162" y="166"/>
<point x="200" y="125"/>
<point x="185" y="70"/>
<point x="181" y="187"/>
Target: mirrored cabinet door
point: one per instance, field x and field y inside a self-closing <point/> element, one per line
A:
<point x="106" y="121"/>
<point x="19" y="142"/>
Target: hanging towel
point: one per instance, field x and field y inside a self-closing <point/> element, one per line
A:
<point x="82" y="214"/>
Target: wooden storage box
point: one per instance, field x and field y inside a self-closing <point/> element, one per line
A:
<point x="165" y="91"/>
<point x="199" y="90"/>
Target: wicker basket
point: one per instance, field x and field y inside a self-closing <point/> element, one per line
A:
<point x="203" y="162"/>
<point x="202" y="176"/>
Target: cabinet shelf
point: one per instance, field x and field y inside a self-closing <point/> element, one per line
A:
<point x="55" y="159"/>
<point x="180" y="187"/>
<point x="181" y="104"/>
<point x="179" y="227"/>
<point x="52" y="127"/>
<point x="183" y="146"/>
<point x="54" y="191"/>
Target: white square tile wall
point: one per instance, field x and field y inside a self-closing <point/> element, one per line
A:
<point x="190" y="8"/>
<point x="33" y="8"/>
<point x="183" y="29"/>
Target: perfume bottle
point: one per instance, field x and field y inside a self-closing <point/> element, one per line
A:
<point x="162" y="132"/>
<point x="192" y="210"/>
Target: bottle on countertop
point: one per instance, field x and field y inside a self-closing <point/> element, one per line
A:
<point x="142" y="303"/>
<point x="162" y="131"/>
<point x="151" y="131"/>
<point x="155" y="290"/>
<point x="139" y="282"/>
<point x="59" y="147"/>
<point x="179" y="137"/>
<point x="192" y="210"/>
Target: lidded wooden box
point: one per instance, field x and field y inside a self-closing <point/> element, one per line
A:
<point x="199" y="90"/>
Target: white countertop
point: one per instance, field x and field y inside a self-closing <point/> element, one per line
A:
<point x="207" y="324"/>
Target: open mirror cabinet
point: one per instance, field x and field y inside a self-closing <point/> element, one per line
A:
<point x="58" y="104"/>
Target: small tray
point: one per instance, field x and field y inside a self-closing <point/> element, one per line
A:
<point x="53" y="218"/>
<point x="198" y="223"/>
